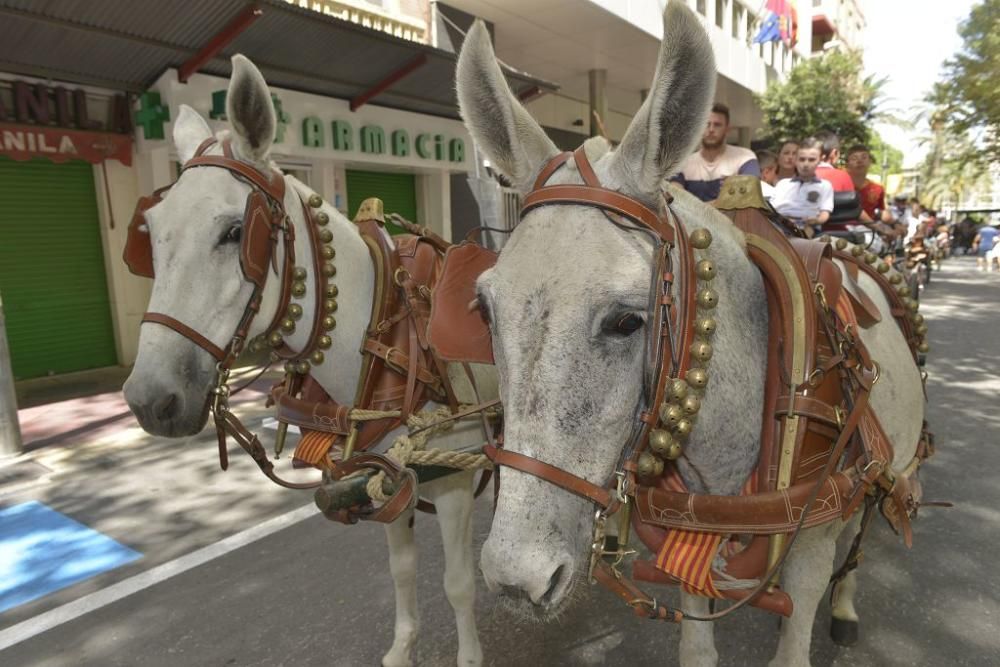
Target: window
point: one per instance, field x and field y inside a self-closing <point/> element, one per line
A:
<point x="701" y="7"/>
<point x="720" y="12"/>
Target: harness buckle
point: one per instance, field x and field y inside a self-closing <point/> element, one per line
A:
<point x="400" y="275"/>
<point x="821" y="295"/>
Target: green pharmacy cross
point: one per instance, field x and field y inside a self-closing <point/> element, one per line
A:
<point x="151" y="115"/>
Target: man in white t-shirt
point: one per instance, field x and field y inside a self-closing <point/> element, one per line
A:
<point x="805" y="198"/>
<point x="702" y="173"/>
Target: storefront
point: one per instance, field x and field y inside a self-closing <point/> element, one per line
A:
<point x="56" y="142"/>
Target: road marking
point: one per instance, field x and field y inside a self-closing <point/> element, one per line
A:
<point x="94" y="601"/>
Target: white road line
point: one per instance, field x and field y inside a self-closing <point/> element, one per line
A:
<point x="88" y="603"/>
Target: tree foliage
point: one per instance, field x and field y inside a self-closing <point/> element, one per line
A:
<point x="968" y="98"/>
<point x="827" y="92"/>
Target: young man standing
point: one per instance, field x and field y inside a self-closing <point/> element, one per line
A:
<point x="805" y="198"/>
<point x="703" y="172"/>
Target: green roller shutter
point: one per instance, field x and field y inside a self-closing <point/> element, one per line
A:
<point x="55" y="294"/>
<point x="398" y="193"/>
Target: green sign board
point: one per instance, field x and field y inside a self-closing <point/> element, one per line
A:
<point x="372" y="140"/>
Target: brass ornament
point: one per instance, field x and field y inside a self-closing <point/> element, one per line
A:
<point x="678" y="390"/>
<point x="298" y="289"/>
<point x="691" y="404"/>
<point x="701" y="238"/>
<point x="331" y="292"/>
<point x="288" y="325"/>
<point x="316" y="358"/>
<point x="328" y="252"/>
<point x="708" y="298"/>
<point x="921" y="329"/>
<point x="705" y="269"/>
<point x="322" y="218"/>
<point x="325" y="235"/>
<point x="648" y="465"/>
<point x="903" y="290"/>
<point x="697" y="378"/>
<point x="841" y="244"/>
<point x="303" y="366"/>
<point x="315" y="201"/>
<point x="675" y="451"/>
<point x="913" y="305"/>
<point x="299" y="273"/>
<point x="275" y="339"/>
<point x="918" y="318"/>
<point x="683" y="428"/>
<point x="329" y="322"/>
<point x="671" y="414"/>
<point x="705" y="326"/>
<point x="870" y="258"/>
<point x="701" y="351"/>
<point x="295" y="311"/>
<point x="324" y="342"/>
<point x="826" y="238"/>
<point x="660" y="441"/>
<point x="857" y="250"/>
<point x="882" y="267"/>
<point x="329" y="270"/>
<point x="923" y="347"/>
<point x="291" y="367"/>
<point x="895" y="279"/>
<point x="330" y="306"/>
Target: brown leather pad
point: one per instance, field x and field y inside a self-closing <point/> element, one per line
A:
<point x="457" y="330"/>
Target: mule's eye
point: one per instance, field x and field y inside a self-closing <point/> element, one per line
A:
<point x="625" y="325"/>
<point x="232" y="235"/>
<point x="484" y="310"/>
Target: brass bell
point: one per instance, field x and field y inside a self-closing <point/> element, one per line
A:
<point x="648" y="465"/>
<point x="299" y="273"/>
<point x="330" y="306"/>
<point x="921" y="329"/>
<point x="918" y="318"/>
<point x="857" y="250"/>
<point x="691" y="404"/>
<point x="275" y="339"/>
<point x="903" y="290"/>
<point x="705" y="269"/>
<point x="701" y="351"/>
<point x="328" y="252"/>
<point x="329" y="322"/>
<point x="316" y="358"/>
<point x="708" y="298"/>
<point x="660" y="441"/>
<point x="671" y="414"/>
<point x="295" y="311"/>
<point x="324" y="342"/>
<point x="683" y="428"/>
<point x="303" y="367"/>
<point x="870" y="258"/>
<point x="256" y="345"/>
<point x="705" y="326"/>
<point x="322" y="218"/>
<point x="298" y="289"/>
<point x="288" y="325"/>
<point x="895" y="278"/>
<point x="675" y="451"/>
<point x="697" y="378"/>
<point x="331" y="292"/>
<point x="913" y="305"/>
<point x="291" y="367"/>
<point x="826" y="238"/>
<point x="329" y="270"/>
<point x="841" y="244"/>
<point x="923" y="347"/>
<point x="701" y="238"/>
<point x="315" y="201"/>
<point x="882" y="267"/>
<point x="678" y="390"/>
<point x="325" y="235"/>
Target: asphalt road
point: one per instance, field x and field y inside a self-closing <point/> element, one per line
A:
<point x="318" y="593"/>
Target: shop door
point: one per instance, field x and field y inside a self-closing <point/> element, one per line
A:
<point x="55" y="293"/>
<point x="398" y="193"/>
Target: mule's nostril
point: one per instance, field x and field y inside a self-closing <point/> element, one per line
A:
<point x="165" y="407"/>
<point x="554" y="581"/>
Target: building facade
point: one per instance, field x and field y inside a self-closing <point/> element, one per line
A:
<point x="837" y="24"/>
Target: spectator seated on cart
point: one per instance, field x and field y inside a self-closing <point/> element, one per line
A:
<point x="805" y="199"/>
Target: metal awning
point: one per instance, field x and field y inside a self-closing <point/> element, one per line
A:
<point x="128" y="45"/>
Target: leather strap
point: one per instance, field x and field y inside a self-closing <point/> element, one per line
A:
<point x="187" y="332"/>
<point x="609" y="200"/>
<point x="551" y="474"/>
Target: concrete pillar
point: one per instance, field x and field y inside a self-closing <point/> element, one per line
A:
<point x="434" y="202"/>
<point x="598" y="99"/>
<point x="10" y="429"/>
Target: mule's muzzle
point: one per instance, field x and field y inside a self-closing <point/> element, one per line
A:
<point x="531" y="585"/>
<point x="163" y="412"/>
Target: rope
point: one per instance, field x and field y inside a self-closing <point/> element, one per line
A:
<point x="409" y="448"/>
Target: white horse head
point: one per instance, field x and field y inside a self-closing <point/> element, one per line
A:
<point x="196" y="233"/>
<point x="568" y="300"/>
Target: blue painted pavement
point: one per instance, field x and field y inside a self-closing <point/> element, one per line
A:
<point x="42" y="551"/>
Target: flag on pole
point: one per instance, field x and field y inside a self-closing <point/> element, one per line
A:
<point x="779" y="22"/>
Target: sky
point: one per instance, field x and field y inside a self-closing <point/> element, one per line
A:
<point x="908" y="41"/>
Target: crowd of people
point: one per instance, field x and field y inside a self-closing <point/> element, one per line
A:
<point x="801" y="180"/>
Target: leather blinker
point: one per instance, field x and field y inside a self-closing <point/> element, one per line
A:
<point x="258" y="242"/>
<point x="138" y="253"/>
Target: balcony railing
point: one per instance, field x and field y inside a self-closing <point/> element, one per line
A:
<point x="370" y="16"/>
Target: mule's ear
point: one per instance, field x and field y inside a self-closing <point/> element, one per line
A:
<point x="250" y="111"/>
<point x="190" y="130"/>
<point x="670" y="122"/>
<point x="512" y="140"/>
